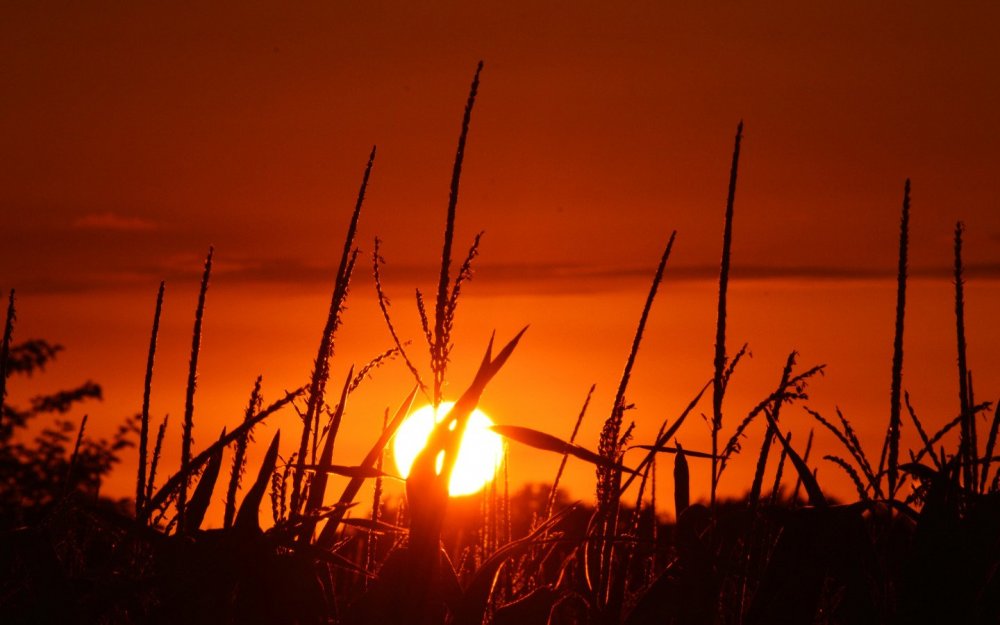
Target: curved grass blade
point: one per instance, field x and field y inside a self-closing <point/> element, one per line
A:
<point x="174" y="481"/>
<point x="328" y="536"/>
<point x="809" y="482"/>
<point x="547" y="442"/>
<point x="248" y="516"/>
<point x="666" y="449"/>
<point x="202" y="496"/>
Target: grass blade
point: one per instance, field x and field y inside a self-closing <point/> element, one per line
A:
<point x="327" y="537"/>
<point x="248" y="518"/>
<point x="991" y="442"/>
<point x="813" y="490"/>
<point x="547" y="442"/>
<point x="177" y="479"/>
<point x="202" y="496"/>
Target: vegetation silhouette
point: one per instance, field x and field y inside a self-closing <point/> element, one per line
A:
<point x="918" y="545"/>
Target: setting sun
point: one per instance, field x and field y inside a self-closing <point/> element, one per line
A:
<point x="479" y="456"/>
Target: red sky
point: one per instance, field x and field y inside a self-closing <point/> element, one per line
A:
<point x="135" y="136"/>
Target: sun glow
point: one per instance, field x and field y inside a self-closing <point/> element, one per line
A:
<point x="479" y="456"/>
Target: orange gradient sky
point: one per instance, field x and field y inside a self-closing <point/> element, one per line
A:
<point x="133" y="137"/>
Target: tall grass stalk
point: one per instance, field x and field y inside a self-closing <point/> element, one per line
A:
<point x="550" y="503"/>
<point x="321" y="367"/>
<point x="383" y="304"/>
<point x="328" y="534"/>
<point x="765" y="448"/>
<point x="444" y="304"/>
<point x="188" y="432"/>
<point x="317" y="485"/>
<point x="892" y="436"/>
<point x="140" y="480"/>
<point x="372" y="546"/>
<point x="923" y="434"/>
<point x="8" y="333"/>
<point x="718" y="385"/>
<point x="805" y="458"/>
<point x="75" y="457"/>
<point x="174" y="483"/>
<point x="967" y="444"/>
<point x="609" y="485"/>
<point x="239" y="455"/>
<point x="157" y="448"/>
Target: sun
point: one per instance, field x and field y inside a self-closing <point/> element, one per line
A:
<point x="479" y="455"/>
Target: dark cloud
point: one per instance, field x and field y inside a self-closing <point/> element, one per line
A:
<point x="114" y="222"/>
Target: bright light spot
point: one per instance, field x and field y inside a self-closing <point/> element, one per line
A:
<point x="479" y="455"/>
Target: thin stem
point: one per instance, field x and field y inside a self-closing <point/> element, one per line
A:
<point x="187" y="437"/>
<point x="140" y="481"/>
<point x="718" y="386"/>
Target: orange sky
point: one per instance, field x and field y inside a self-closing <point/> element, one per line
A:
<point x="135" y="136"/>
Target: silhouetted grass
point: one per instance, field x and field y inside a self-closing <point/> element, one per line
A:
<point x="918" y="545"/>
